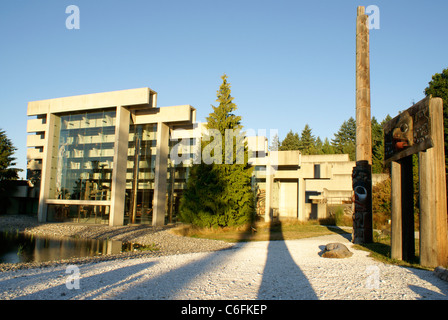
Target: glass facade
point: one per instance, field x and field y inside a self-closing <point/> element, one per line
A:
<point x="140" y="174"/>
<point x="83" y="160"/>
<point x="81" y="172"/>
<point x="78" y="213"/>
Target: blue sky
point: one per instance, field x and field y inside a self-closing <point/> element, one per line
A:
<point x="290" y="63"/>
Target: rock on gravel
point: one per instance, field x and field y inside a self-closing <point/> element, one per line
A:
<point x="336" y="250"/>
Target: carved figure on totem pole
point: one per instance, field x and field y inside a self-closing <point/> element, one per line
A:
<point x="362" y="213"/>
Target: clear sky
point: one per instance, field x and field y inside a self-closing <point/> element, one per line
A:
<point x="290" y="63"/>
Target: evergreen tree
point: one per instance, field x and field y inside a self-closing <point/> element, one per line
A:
<point x="291" y="142"/>
<point x="345" y="139"/>
<point x="7" y="172"/>
<point x="438" y="87"/>
<point x="307" y="140"/>
<point x="219" y="195"/>
<point x="377" y="146"/>
<point x="327" y="148"/>
<point x="7" y="150"/>
<point x="275" y="145"/>
<point x="318" y="147"/>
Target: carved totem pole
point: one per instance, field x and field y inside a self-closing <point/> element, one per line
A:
<point x="362" y="172"/>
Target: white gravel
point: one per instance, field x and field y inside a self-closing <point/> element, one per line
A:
<point x="291" y="269"/>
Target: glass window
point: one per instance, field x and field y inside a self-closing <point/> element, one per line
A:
<point x="82" y="160"/>
<point x="78" y="213"/>
<point x="140" y="174"/>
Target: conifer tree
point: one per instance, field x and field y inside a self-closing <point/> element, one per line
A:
<point x="220" y="194"/>
<point x="275" y="145"/>
<point x="307" y="140"/>
<point x="345" y="139"/>
<point x="291" y="142"/>
<point x="438" y="87"/>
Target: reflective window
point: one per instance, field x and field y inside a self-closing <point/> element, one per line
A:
<point x="82" y="161"/>
<point x="78" y="213"/>
<point x="140" y="174"/>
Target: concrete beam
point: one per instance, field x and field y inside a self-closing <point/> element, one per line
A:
<point x="131" y="97"/>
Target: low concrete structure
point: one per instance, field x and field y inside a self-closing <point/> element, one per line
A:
<point x="292" y="185"/>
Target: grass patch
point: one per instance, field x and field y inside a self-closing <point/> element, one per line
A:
<point x="260" y="231"/>
<point x="380" y="250"/>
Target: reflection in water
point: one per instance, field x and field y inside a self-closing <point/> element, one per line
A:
<point x="18" y="247"/>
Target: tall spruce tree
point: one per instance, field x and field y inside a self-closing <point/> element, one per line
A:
<point x="7" y="160"/>
<point x="438" y="87"/>
<point x="7" y="172"/>
<point x="307" y="140"/>
<point x="345" y="139"/>
<point x="291" y="142"/>
<point x="220" y="194"/>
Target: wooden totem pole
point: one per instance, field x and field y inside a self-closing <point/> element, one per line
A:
<point x="362" y="172"/>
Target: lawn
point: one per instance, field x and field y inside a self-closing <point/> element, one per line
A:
<point x="261" y="231"/>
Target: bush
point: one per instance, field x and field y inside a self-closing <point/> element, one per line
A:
<point x="381" y="204"/>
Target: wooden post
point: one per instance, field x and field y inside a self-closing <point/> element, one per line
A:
<point x="433" y="215"/>
<point x="362" y="173"/>
<point x="396" y="227"/>
<point x="363" y="120"/>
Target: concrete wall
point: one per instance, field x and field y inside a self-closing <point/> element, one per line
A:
<point x="306" y="183"/>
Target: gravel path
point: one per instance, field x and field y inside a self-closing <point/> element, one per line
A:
<point x="291" y="269"/>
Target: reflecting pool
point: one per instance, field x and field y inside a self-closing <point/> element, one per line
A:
<point x="16" y="247"/>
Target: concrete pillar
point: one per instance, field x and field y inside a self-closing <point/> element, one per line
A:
<point x="160" y="183"/>
<point x="301" y="200"/>
<point x="117" y="200"/>
<point x="268" y="198"/>
<point x="49" y="160"/>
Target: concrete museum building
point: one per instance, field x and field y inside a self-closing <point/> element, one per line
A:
<point x="105" y="158"/>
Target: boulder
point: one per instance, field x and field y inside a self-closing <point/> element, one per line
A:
<point x="441" y="272"/>
<point x="336" y="250"/>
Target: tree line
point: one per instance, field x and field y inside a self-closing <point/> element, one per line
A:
<point x="343" y="142"/>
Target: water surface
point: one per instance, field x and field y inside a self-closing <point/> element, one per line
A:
<point x="16" y="247"/>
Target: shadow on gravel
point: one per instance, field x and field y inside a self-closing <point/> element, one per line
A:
<point x="282" y="277"/>
<point x="167" y="285"/>
<point x="88" y="286"/>
<point x="426" y="294"/>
